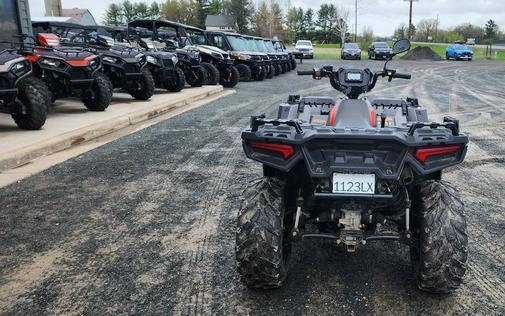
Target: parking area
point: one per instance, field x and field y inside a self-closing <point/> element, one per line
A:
<point x="146" y="224"/>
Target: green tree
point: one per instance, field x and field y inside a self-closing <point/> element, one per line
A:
<point x="154" y="10"/>
<point x="468" y="30"/>
<point x="308" y="20"/>
<point x="401" y="31"/>
<point x="215" y="7"/>
<point x="367" y="37"/>
<point x="183" y="11"/>
<point x="141" y="10"/>
<point x="113" y="15"/>
<point x="243" y="11"/>
<point x="301" y="30"/>
<point x="327" y="15"/>
<point x="491" y="30"/>
<point x="262" y="20"/>
<point x="426" y="28"/>
<point x="128" y="9"/>
<point x="292" y="24"/>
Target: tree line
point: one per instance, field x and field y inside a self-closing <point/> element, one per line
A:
<point x="428" y="30"/>
<point x="327" y="24"/>
<point x="192" y="12"/>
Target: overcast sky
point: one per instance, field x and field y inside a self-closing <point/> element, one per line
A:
<point x="382" y="15"/>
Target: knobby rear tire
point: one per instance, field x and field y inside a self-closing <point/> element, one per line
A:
<point x="440" y="251"/>
<point x="261" y="253"/>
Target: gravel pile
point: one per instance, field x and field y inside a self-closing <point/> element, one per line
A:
<point x="421" y="53"/>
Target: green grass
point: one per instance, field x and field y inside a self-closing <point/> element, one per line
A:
<point x="332" y="51"/>
<point x="478" y="53"/>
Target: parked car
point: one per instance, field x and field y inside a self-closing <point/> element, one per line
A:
<point x="458" y="51"/>
<point x="379" y="50"/>
<point x="350" y="51"/>
<point x="304" y="49"/>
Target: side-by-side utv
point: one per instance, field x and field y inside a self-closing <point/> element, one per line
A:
<point x="250" y="64"/>
<point x="189" y="60"/>
<point x="218" y="64"/>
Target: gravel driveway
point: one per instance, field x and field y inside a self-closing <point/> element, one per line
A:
<point x="145" y="224"/>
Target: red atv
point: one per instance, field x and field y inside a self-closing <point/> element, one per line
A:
<point x="70" y="72"/>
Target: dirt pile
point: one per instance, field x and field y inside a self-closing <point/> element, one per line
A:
<point x="421" y="53"/>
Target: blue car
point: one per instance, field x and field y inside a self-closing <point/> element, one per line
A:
<point x="458" y="51"/>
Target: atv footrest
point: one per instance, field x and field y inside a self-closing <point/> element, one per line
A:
<point x="321" y="236"/>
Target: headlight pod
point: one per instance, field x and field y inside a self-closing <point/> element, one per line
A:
<point x="20" y="68"/>
<point x="50" y="62"/>
<point x="110" y="59"/>
<point x="217" y="55"/>
<point x="94" y="63"/>
<point x="244" y="56"/>
<point x="151" y="59"/>
<point x="175" y="60"/>
<point x="140" y="58"/>
<point x="194" y="54"/>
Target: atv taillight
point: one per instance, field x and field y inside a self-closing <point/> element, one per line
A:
<point x="422" y="154"/>
<point x="48" y="39"/>
<point x="286" y="150"/>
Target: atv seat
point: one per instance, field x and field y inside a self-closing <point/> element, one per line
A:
<point x="351" y="113"/>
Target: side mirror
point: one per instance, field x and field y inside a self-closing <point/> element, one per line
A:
<point x="401" y="46"/>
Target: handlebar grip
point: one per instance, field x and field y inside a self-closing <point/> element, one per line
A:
<point x="402" y="76"/>
<point x="305" y="72"/>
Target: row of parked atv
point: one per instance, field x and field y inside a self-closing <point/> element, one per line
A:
<point x="62" y="60"/>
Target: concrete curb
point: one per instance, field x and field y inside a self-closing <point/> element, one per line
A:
<point x="26" y="154"/>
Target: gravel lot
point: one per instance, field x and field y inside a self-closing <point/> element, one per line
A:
<point x="145" y="224"/>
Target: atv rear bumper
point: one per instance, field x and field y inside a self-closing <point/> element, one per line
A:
<point x="384" y="152"/>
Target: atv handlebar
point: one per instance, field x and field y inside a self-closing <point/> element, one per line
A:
<point x="305" y="72"/>
<point x="351" y="86"/>
<point x="402" y="76"/>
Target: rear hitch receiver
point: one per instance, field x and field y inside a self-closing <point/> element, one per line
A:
<point x="351" y="239"/>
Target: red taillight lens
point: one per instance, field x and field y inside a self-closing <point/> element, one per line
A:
<point x="422" y="154"/>
<point x="286" y="150"/>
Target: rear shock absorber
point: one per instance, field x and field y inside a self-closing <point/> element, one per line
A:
<point x="298" y="213"/>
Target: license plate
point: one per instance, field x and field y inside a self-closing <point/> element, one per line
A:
<point x="347" y="183"/>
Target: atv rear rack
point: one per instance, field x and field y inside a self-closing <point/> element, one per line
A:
<point x="259" y="120"/>
<point x="449" y="123"/>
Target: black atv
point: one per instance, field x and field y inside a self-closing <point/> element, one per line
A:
<point x="353" y="171"/>
<point x="279" y="46"/>
<point x="23" y="96"/>
<point x="250" y="64"/>
<point x="125" y="67"/>
<point x="189" y="59"/>
<point x="161" y="64"/>
<point x="70" y="72"/>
